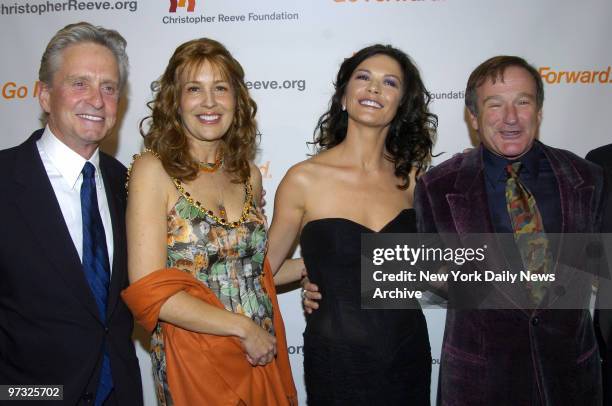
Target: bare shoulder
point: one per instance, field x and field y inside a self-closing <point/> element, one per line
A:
<point x="146" y="161"/>
<point x="255" y="174"/>
<point x="325" y="158"/>
<point x="307" y="172"/>
<point x="147" y="170"/>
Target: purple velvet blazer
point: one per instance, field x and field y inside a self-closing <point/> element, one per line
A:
<point x="513" y="356"/>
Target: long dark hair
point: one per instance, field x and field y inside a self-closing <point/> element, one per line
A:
<point x="412" y="131"/>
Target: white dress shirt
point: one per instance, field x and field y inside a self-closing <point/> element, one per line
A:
<point x="64" y="166"/>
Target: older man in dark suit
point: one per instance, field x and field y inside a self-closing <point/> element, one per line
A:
<point x="603" y="317"/>
<point x="63" y="252"/>
<point x="512" y="183"/>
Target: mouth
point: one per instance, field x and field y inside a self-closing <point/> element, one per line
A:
<point x="510" y="134"/>
<point x="209" y="118"/>
<point x="371" y="103"/>
<point x="90" y="117"/>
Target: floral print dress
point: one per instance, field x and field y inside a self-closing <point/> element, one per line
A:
<point x="227" y="258"/>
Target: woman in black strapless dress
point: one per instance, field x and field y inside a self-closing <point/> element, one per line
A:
<point x="353" y="355"/>
<point x="372" y="143"/>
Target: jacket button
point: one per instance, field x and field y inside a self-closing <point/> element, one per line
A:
<point x="106" y="330"/>
<point x="535" y="321"/>
<point x="87" y="397"/>
<point x="559" y="290"/>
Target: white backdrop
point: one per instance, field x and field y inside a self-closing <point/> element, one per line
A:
<point x="300" y="44"/>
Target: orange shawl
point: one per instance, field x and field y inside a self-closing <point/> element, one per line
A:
<point x="205" y="369"/>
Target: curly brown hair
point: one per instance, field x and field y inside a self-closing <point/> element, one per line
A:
<point x="166" y="134"/>
<point x="412" y="131"/>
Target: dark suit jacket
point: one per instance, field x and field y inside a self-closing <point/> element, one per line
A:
<point x="513" y="356"/>
<point x="50" y="330"/>
<point x="603" y="318"/>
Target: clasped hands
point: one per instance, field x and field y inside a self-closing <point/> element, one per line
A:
<point x="259" y="345"/>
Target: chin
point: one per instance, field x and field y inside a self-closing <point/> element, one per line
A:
<point x="511" y="149"/>
<point x="93" y="137"/>
<point x="514" y="152"/>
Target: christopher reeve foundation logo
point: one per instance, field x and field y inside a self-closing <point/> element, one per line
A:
<point x="181" y="3"/>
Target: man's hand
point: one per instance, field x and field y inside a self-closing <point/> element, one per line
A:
<point x="310" y="294"/>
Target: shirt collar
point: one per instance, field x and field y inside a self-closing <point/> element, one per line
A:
<point x="67" y="162"/>
<point x="495" y="165"/>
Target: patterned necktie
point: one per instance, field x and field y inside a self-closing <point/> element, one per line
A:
<point x="529" y="233"/>
<point x="96" y="265"/>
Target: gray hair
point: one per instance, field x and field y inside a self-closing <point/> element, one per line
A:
<point x="78" y="33"/>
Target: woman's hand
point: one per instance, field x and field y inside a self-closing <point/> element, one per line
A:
<point x="310" y="294"/>
<point x="259" y="345"/>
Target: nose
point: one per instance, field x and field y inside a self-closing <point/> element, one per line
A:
<point x="510" y="117"/>
<point x="208" y="98"/>
<point x="96" y="99"/>
<point x="374" y="87"/>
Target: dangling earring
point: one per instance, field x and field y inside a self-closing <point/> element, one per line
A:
<point x="343" y="107"/>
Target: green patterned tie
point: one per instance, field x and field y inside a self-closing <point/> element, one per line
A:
<point x="529" y="233"/>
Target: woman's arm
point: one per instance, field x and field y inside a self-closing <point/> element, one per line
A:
<point x="150" y="189"/>
<point x="290" y="271"/>
<point x="289" y="210"/>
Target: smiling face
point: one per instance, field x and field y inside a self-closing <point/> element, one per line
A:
<point x="82" y="99"/>
<point x="374" y="92"/>
<point x="207" y="104"/>
<point x="508" y="117"/>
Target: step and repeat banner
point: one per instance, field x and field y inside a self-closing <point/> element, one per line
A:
<point x="291" y="51"/>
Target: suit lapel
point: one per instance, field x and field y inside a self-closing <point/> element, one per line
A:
<point x="468" y="202"/>
<point x="470" y="211"/>
<point x="575" y="196"/>
<point x="42" y="214"/>
<point x="117" y="212"/>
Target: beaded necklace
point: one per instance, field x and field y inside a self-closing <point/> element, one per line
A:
<point x="211" y="167"/>
<point x="210" y="214"/>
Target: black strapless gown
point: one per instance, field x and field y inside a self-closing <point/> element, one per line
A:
<point x="355" y="356"/>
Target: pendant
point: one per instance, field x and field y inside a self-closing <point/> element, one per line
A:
<point x="222" y="212"/>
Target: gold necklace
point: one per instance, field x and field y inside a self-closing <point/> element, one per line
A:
<point x="210" y="214"/>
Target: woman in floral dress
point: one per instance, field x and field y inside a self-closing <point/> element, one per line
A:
<point x="197" y="240"/>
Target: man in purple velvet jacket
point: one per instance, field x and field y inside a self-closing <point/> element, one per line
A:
<point x="514" y="356"/>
